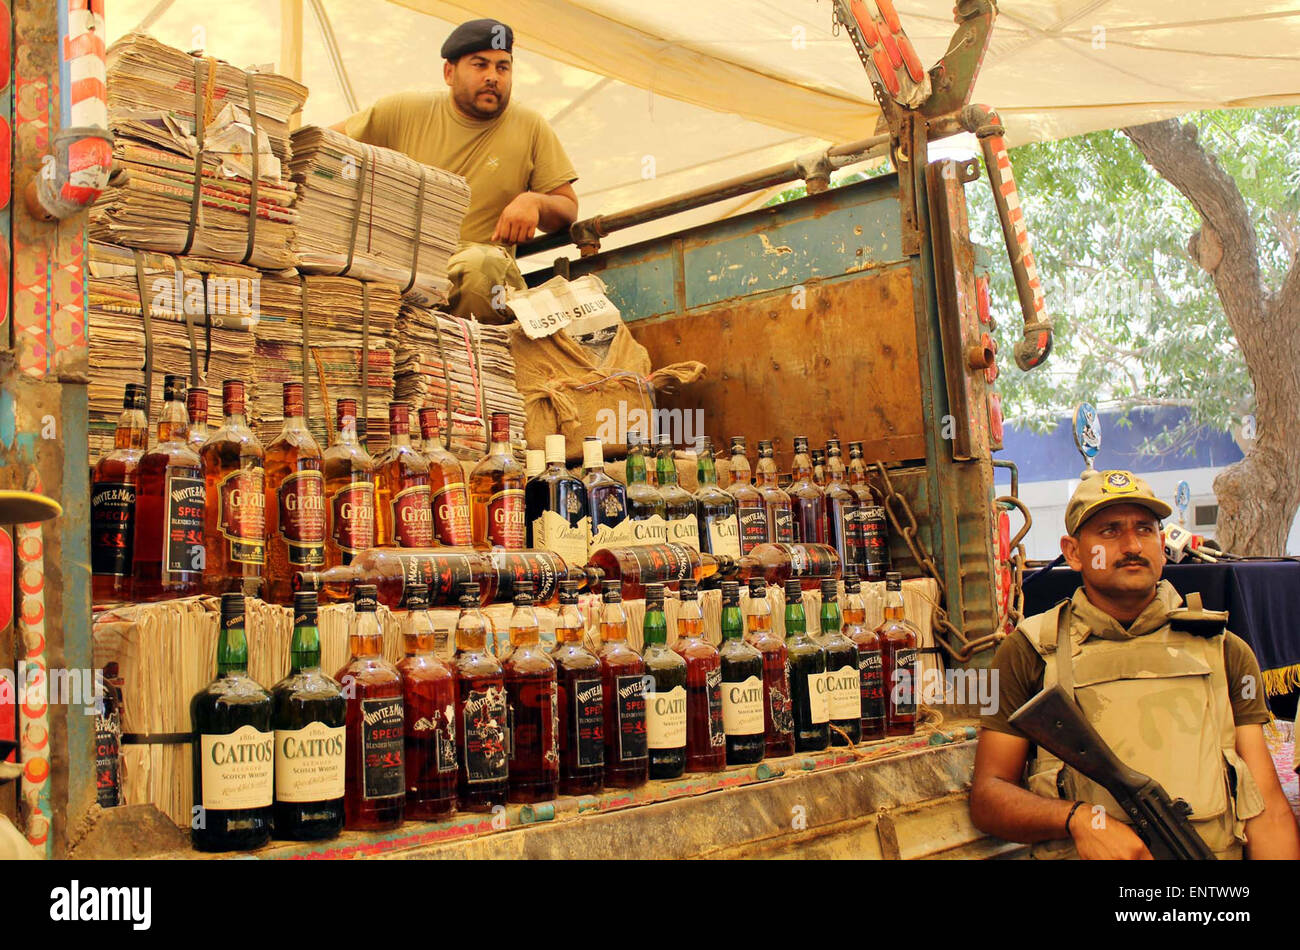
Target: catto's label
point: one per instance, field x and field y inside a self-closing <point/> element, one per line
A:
<point x="301" y="497"/>
<point x="652" y="530"/>
<point x="183" y="530"/>
<point x="587" y="722"/>
<point x="241" y="515"/>
<point x="846" y="693"/>
<point x="382" y="739"/>
<point x="309" y="763"/>
<point x="238" y="769"/>
<point x="665" y="719"/>
<point x="724" y="536"/>
<point x="742" y="707"/>
<point x="506" y="520"/>
<point x="713" y="694"/>
<point x="451" y="514"/>
<point x="630" y="708"/>
<point x="753" y="527"/>
<point x="352" y="518"/>
<point x="112" y="522"/>
<point x="484" y="724"/>
<point x="872" y="677"/>
<point x="819" y="698"/>
<point x="412" y="518"/>
<point x="684" y="531"/>
<point x="552" y="532"/>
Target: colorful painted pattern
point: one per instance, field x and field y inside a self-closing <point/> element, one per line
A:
<point x="33" y="714"/>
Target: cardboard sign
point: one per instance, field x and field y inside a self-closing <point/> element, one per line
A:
<point x="556" y="304"/>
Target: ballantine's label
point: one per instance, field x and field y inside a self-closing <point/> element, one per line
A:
<point x="112" y="518"/>
<point x="309" y="763"/>
<point x="352" y="518"/>
<point x="713" y="691"/>
<point x="183" y="528"/>
<point x="506" y="519"/>
<point x="612" y="536"/>
<point x="552" y="532"/>
<point x="587" y="722"/>
<point x="241" y="515"/>
<point x="753" y="527"/>
<point x="742" y="707"/>
<point x="846" y="693"/>
<point x="684" y="531"/>
<point x="631" y="718"/>
<point x="237" y="769"/>
<point x="819" y="698"/>
<point x="652" y="530"/>
<point x="665" y="719"/>
<point x="412" y="518"/>
<point x="873" y="684"/>
<point x="783" y="525"/>
<point x="383" y="769"/>
<point x="302" y="517"/>
<point x="451" y="514"/>
<point x="484" y="724"/>
<point x="724" y="536"/>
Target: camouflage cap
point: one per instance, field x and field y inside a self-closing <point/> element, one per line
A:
<point x="1107" y="489"/>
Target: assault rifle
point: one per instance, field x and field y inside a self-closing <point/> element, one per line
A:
<point x="1054" y="721"/>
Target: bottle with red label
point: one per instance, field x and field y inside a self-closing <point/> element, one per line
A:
<point x="872" y="678"/>
<point x="809" y="564"/>
<point x="873" y="558"/>
<point x="634" y="566"/>
<point x="751" y="511"/>
<point x="807" y="498"/>
<point x="482" y="712"/>
<point x="429" y="700"/>
<point x="168" y="554"/>
<point x="447" y="490"/>
<point x="780" y="513"/>
<point x="623" y="678"/>
<point x="496" y="493"/>
<point x="374" y="796"/>
<point x="349" y="491"/>
<point x="778" y="717"/>
<point x="581" y="698"/>
<point x="235" y="526"/>
<point x="898" y="661"/>
<point x="295" y="502"/>
<point x="112" y="500"/>
<point x="534" y="707"/>
<point x="403" y="516"/>
<point x="843" y="529"/>
<point x="196" y="406"/>
<point x="706" y="749"/>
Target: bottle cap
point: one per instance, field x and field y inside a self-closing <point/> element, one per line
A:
<point x="737" y="445"/>
<point x="304" y="600"/>
<point x="852" y="585"/>
<point x="470" y="589"/>
<point x="765" y="449"/>
<point x="612" y="595"/>
<point x="135" y="396"/>
<point x="417" y="596"/>
<point x="523" y="593"/>
<point x="568" y="592"/>
<point x="800" y="445"/>
<point x="534" y="462"/>
<point x="793" y="590"/>
<point x="689" y="589"/>
<point x="173" y="387"/>
<point x="757" y="587"/>
<point x="893" y="581"/>
<point x="556" y="450"/>
<point x="593" y="453"/>
<point x="500" y="427"/>
<point x="830" y="588"/>
<point x="429" y="424"/>
<point x="232" y="611"/>
<point x="365" y="599"/>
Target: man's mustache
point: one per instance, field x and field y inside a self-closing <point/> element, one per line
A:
<point x="1126" y="561"/>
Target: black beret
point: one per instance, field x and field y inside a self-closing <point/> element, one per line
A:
<point x="474" y="36"/>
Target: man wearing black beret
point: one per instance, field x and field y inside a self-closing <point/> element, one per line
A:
<point x="519" y="176"/>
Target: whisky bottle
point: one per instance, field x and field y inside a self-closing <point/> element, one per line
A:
<point x="751" y="511"/>
<point x="715" y="509"/>
<point x="496" y="493"/>
<point x="429" y="705"/>
<point x="534" y="711"/>
<point x="742" y="684"/>
<point x="647" y="518"/>
<point x="780" y="513"/>
<point x="683" y="527"/>
<point x="404" y="518"/>
<point x="808" y="689"/>
<point x="235" y="524"/>
<point x="374" y="776"/>
<point x="778" y="563"/>
<point x="196" y="406"/>
<point x="898" y="661"/>
<point x="842" y="676"/>
<point x="665" y="702"/>
<point x="233" y="747"/>
<point x="870" y="674"/>
<point x="309" y="715"/>
<point x="295" y="502"/>
<point x="807" y="499"/>
<point x="778" y="717"/>
<point x="113" y="488"/>
<point x="167" y="554"/>
<point x="873" y="562"/>
<point x="622" y="674"/>
<point x="843" y="529"/>
<point x="481" y="712"/>
<point x="540" y="570"/>
<point x="606" y="499"/>
<point x="534" y="464"/>
<point x="349" y="491"/>
<point x="581" y="699"/>
<point x="448" y="493"/>
<point x="819" y="467"/>
<point x="555" y="504"/>
<point x="706" y="749"/>
<point x="632" y="567"/>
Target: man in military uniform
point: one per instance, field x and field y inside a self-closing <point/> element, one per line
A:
<point x="1176" y="696"/>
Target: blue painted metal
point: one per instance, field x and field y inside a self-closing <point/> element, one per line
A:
<point x="74" y="569"/>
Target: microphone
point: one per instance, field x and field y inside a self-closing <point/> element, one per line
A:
<point x="1181" y="545"/>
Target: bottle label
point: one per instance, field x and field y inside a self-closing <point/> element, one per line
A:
<point x="440" y="727"/>
<point x="713" y="690"/>
<point x="781" y="706"/>
<point x="108" y="734"/>
<point x="506" y="519"/>
<point x="902" y="691"/>
<point x="241" y="515"/>
<point x="846" y="693"/>
<point x="612" y="536"/>
<point x="523" y="732"/>
<point x="724" y="536"/>
<point x="238" y="769"/>
<point x="309" y="763"/>
<point x="652" y="530"/>
<point x="753" y="528"/>
<point x="451" y="515"/>
<point x="112" y="520"/>
<point x="484" y="725"/>
<point x="352" y="518"/>
<point x="783" y="528"/>
<point x="543" y="568"/>
<point x="809" y="561"/>
<point x="552" y="532"/>
<point x="742" y="707"/>
<point x="664" y="564"/>
<point x="685" y="531"/>
<point x="588" y="723"/>
<point x="631" y="709"/>
<point x="183" y="532"/>
<point x="665" y="719"/>
<point x="302" y="517"/>
<point x="855" y="524"/>
<point x="412" y="518"/>
<point x="873" y="685"/>
<point x="819" y="698"/>
<point x="381" y="747"/>
<point x="875" y="538"/>
<point x="443" y="574"/>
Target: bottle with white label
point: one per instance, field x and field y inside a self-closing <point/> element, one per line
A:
<point x="742" y="684"/>
<point x="809" y="695"/>
<point x="679" y="504"/>
<point x="665" y="706"/>
<point x="234" y="747"/>
<point x="841" y="671"/>
<point x="705" y="740"/>
<point x="606" y="499"/>
<point x="646" y="512"/>
<point x="715" y="509"/>
<point x="555" y="504"/>
<point x="309" y="718"/>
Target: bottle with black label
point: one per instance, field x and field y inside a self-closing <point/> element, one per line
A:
<point x="429" y="700"/>
<point x="234" y="747"/>
<point x="555" y="504"/>
<point x="622" y="673"/>
<point x="581" y="701"/>
<point x="633" y="566"/>
<point x="705" y="740"/>
<point x="873" y="561"/>
<point x="742" y="684"/>
<point x="310" y="721"/>
<point x="871" y="675"/>
<point x="665" y="714"/>
<point x="646" y="512"/>
<point x="751" y="511"/>
<point x="777" y="563"/>
<point x="375" y="773"/>
<point x="898" y="661"/>
<point x="715" y="509"/>
<point x="780" y="514"/>
<point x="112" y="500"/>
<point x="108" y="739"/>
<point x="482" y="712"/>
<point x="809" y="697"/>
<point x="778" y="719"/>
<point x="679" y="504"/>
<point x="841" y="670"/>
<point x="534" y="707"/>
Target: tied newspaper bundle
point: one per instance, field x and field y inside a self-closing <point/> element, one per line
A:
<point x="347" y="320"/>
<point x="461" y="367"/>
<point x="198" y="321"/>
<point x="374" y="214"/>
<point x="197" y="143"/>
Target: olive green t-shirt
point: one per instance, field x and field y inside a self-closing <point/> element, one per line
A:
<point x="501" y="158"/>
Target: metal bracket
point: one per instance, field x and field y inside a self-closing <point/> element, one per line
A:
<point x="952" y="79"/>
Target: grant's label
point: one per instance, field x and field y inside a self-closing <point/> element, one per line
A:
<point x="819" y="698"/>
<point x="783" y="525"/>
<point x="684" y="531"/>
<point x="652" y="530"/>
<point x="451" y="515"/>
<point x="301" y="497"/>
<point x="241" y="515"/>
<point x="665" y="719"/>
<point x="713" y="693"/>
<point x="552" y="532"/>
<point x="846" y="693"/>
<point x="352" y="518"/>
<point x="183" y="530"/>
<point x="112" y="520"/>
<point x="383" y="772"/>
<point x="309" y="763"/>
<point x="872" y="677"/>
<point x="753" y="527"/>
<point x="587" y="723"/>
<point x="630" y="709"/>
<point x="742" y="707"/>
<point x="238" y="769"/>
<point x="506" y="520"/>
<point x="724" y="536"/>
<point x="484" y="723"/>
<point x="412" y="518"/>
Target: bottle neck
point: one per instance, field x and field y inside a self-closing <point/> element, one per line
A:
<point x="348" y="431"/>
<point x="304" y="650"/>
<point x="500" y="448"/>
<point x="732" y="627"/>
<point x="636" y="473"/>
<point x="801" y="467"/>
<point x="830" y="616"/>
<point x="690" y="622"/>
<point x="705" y="471"/>
<point x="569" y="627"/>
<point x="132" y="430"/>
<point x="173" y="422"/>
<point x="835" y="468"/>
<point x="759" y="617"/>
<point x="893" y="605"/>
<point x="794" y="620"/>
<point x="523" y="627"/>
<point x="857" y="472"/>
<point x="855" y="609"/>
<point x="296" y="423"/>
<point x="366" y="640"/>
<point x="232" y="651"/>
<point x="420" y="635"/>
<point x="613" y="623"/>
<point x="666" y="468"/>
<point x="655" y="629"/>
<point x="740" y="471"/>
<point x="767" y="472"/>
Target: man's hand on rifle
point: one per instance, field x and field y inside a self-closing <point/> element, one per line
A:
<point x="1097" y="838"/>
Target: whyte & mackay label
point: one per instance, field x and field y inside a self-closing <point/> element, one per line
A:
<point x="301" y="497"/>
<point x="112" y="511"/>
<point x="241" y="515"/>
<point x="753" y="527"/>
<point x="631" y="718"/>
<point x="183" y="527"/>
<point x="587" y="722"/>
<point x="382" y="767"/>
<point x="484" y="716"/>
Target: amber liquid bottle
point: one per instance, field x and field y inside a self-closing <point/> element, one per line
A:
<point x="622" y="675"/>
<point x="295" y="502"/>
<point x="429" y="698"/>
<point x="873" y="560"/>
<point x="870" y="673"/>
<point x="706" y="748"/>
<point x="715" y="509"/>
<point x="394" y="570"/>
<point x="777" y="563"/>
<point x="482" y="712"/>
<point x="403" y="516"/>
<point x="581" y="699"/>
<point x="751" y="511"/>
<point x="168" y="554"/>
<point x="534" y="709"/>
<point x="842" y="525"/>
<point x="196" y="406"/>
<point x="448" y="493"/>
<point x="235" y="525"/>
<point x="809" y="695"/>
<point x="349" y="491"/>
<point x="742" y="684"/>
<point x="898" y="661"/>
<point x="375" y="779"/>
<point x="842" y="679"/>
<point x="496" y="493"/>
<point x="635" y="566"/>
<point x="778" y="718"/>
<point x="780" y="513"/>
<point x="665" y="706"/>
<point x="113" y="498"/>
<point x="807" y="498"/>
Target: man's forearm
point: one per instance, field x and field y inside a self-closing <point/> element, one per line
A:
<point x="1015" y="814"/>
<point x="1272" y="835"/>
<point x="555" y="212"/>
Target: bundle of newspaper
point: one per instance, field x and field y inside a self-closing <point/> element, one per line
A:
<point x="170" y="112"/>
<point x="461" y="367"/>
<point x="201" y="308"/>
<point x="375" y="214"/>
<point x="343" y="313"/>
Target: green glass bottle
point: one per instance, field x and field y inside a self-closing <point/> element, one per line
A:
<point x="742" y="684"/>
<point x="679" y="504"/>
<point x="645" y="506"/>
<point x="808" y="687"/>
<point x="842" y="674"/>
<point x="715" y="509"/>
<point x="666" y="698"/>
